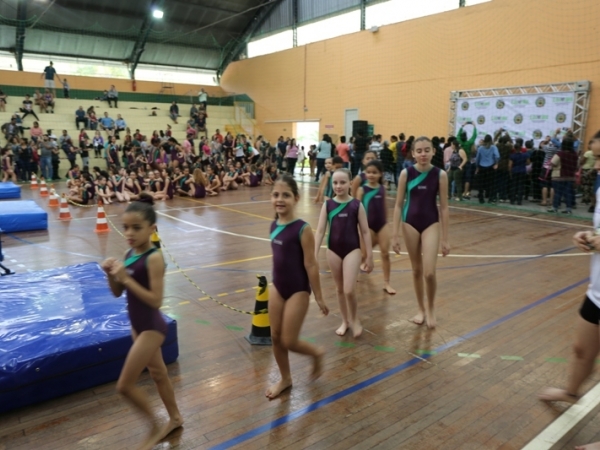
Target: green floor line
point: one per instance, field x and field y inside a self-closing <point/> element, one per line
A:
<point x="425" y="352"/>
<point x="511" y="358"/>
<point x="468" y="355"/>
<point x="234" y="328"/>
<point x="381" y="348"/>
<point x="203" y="322"/>
<point x="345" y="344"/>
<point x="556" y="360"/>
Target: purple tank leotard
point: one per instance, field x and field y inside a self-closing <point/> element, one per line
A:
<point x="343" y="227"/>
<point x="170" y="188"/>
<point x="420" y="209"/>
<point x="142" y="316"/>
<point x="5" y="164"/>
<point x="374" y="202"/>
<point x="254" y="182"/>
<point x="200" y="191"/>
<point x="289" y="273"/>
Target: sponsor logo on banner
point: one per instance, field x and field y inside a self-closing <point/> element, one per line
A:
<point x="537" y="134"/>
<point x="481" y="120"/>
<point x="540" y="102"/>
<point x="539" y="118"/>
<point x="518" y="119"/>
<point x="480" y="104"/>
<point x="464" y="106"/>
<point x="463" y="119"/>
<point x="521" y="134"/>
<point x="519" y="102"/>
<point x="561" y="117"/>
<point x="562" y="100"/>
<point x="499" y="119"/>
<point x="500" y="104"/>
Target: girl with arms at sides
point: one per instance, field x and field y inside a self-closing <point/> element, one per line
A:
<point x="422" y="225"/>
<point x="372" y="196"/>
<point x="361" y="178"/>
<point x="141" y="276"/>
<point x="345" y="215"/>
<point x="295" y="272"/>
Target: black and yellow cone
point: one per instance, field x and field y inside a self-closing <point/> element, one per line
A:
<point x="261" y="328"/>
<point x="155" y="239"/>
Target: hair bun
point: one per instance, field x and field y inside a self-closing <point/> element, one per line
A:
<point x="146" y="198"/>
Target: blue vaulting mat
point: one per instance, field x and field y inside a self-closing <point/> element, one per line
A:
<point x="61" y="331"/>
<point x="9" y="190"/>
<point x="22" y="215"/>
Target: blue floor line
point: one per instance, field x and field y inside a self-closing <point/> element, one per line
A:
<point x="388" y="373"/>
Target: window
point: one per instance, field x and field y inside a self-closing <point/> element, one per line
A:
<point x="395" y="11"/>
<point x="271" y="44"/>
<point x="329" y="28"/>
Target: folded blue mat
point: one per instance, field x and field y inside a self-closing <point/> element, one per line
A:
<point x="22" y="215"/>
<point x="9" y="190"/>
<point x="61" y="331"/>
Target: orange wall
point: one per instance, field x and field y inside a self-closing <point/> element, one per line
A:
<point x="12" y="78"/>
<point x="401" y="77"/>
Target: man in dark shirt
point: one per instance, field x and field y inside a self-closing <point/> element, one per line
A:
<point x="360" y="147"/>
<point x="28" y="108"/>
<point x="48" y="74"/>
<point x="80" y="118"/>
<point x="174" y="111"/>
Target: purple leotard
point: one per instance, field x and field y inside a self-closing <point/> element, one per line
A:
<point x="200" y="190"/>
<point x="420" y="209"/>
<point x="374" y="202"/>
<point x="343" y="227"/>
<point x="289" y="273"/>
<point x="143" y="317"/>
<point x="254" y="181"/>
<point x="170" y="188"/>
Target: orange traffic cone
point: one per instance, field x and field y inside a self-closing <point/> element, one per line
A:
<point x="64" y="214"/>
<point x="43" y="188"/>
<point x="53" y="201"/>
<point x="34" y="183"/>
<point x="101" y="223"/>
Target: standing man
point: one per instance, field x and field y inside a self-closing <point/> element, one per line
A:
<point x="48" y="74"/>
<point x="360" y="147"/>
<point x="203" y="98"/>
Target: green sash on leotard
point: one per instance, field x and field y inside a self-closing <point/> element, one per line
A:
<point x="133" y="258"/>
<point x="368" y="197"/>
<point x="332" y="215"/>
<point x="409" y="187"/>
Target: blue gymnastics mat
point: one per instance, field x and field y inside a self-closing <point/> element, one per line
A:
<point x="9" y="190"/>
<point x="61" y="331"/>
<point x="22" y="215"/>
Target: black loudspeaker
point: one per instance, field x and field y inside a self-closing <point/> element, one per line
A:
<point x="360" y="126"/>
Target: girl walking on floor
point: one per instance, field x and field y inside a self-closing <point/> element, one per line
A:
<point x="295" y="272"/>
<point x="141" y="276"/>
<point x="422" y="224"/>
<point x="345" y="215"/>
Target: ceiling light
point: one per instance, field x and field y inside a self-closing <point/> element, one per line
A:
<point x="158" y="14"/>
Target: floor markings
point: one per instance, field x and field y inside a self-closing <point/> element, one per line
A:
<point x="567" y="420"/>
<point x="468" y="355"/>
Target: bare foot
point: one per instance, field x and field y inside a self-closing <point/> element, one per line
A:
<point x="557" y="395"/>
<point x="430" y="320"/>
<point x="363" y="267"/>
<point x="171" y="426"/>
<point x="342" y="329"/>
<point x="357" y="329"/>
<point x="278" y="388"/>
<point x="390" y="290"/>
<point x="153" y="438"/>
<point x="317" y="366"/>
<point x="418" y="319"/>
<point x="594" y="446"/>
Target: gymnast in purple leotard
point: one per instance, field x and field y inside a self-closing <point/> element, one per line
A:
<point x="141" y="276"/>
<point x="345" y="215"/>
<point x="372" y="196"/>
<point x="422" y="225"/>
<point x="295" y="272"/>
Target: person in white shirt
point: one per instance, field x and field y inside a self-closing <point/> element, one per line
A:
<point x="203" y="98"/>
<point x="376" y="145"/>
<point x="587" y="337"/>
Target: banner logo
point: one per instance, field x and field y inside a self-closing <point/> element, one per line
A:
<point x="499" y="119"/>
<point x="540" y="102"/>
<point x="482" y="104"/>
<point x="561" y="118"/>
<point x="481" y="120"/>
<point x="518" y="119"/>
<point x="562" y="100"/>
<point x="500" y="104"/>
<point x="537" y="134"/>
<point x="464" y="106"/>
<point x="539" y="118"/>
<point x="520" y="102"/>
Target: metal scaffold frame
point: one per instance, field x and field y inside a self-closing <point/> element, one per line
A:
<point x="581" y="89"/>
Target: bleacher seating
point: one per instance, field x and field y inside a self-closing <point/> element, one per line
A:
<point x="136" y="115"/>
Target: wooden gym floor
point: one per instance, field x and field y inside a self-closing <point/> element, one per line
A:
<point x="507" y="302"/>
